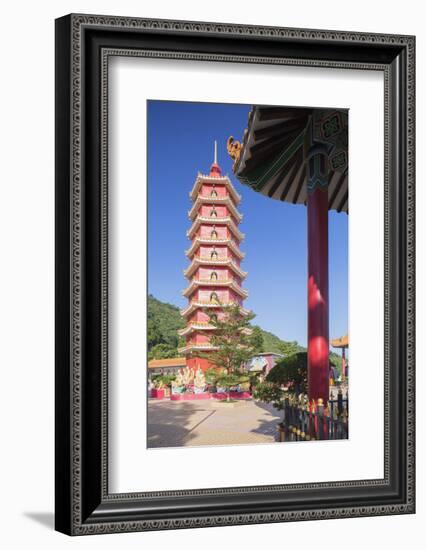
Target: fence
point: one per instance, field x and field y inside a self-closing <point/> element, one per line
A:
<point x="305" y="421"/>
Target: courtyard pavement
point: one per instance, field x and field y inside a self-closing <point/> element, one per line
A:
<point x="194" y="423"/>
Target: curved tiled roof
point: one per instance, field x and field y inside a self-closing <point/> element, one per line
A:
<point x="274" y="153"/>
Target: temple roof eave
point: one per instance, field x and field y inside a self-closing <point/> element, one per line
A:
<point x="342" y="342"/>
<point x="278" y="169"/>
<point x="199" y="220"/>
<point x="197" y="261"/>
<point x="215" y="242"/>
<point x="194" y="327"/>
<point x="226" y="201"/>
<point x="207" y="283"/>
<point x="193" y="306"/>
<point x="223" y="180"/>
<point x="196" y="347"/>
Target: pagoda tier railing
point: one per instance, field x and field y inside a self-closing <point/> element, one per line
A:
<point x="226" y="220"/>
<point x="229" y="283"/>
<point x="190" y="348"/>
<point x="200" y="304"/>
<point x="233" y="245"/>
<point x="221" y="180"/>
<point x="209" y="200"/>
<point x="195" y="326"/>
<point x="219" y="262"/>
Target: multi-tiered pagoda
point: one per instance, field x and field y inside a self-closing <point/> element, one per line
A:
<point x="214" y="274"/>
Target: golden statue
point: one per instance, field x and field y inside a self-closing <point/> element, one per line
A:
<point x="188" y="376"/>
<point x="184" y="377"/>
<point x="234" y="149"/>
<point x="199" y="381"/>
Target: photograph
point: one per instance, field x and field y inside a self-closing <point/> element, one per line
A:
<point x="247" y="307"/>
<point x="234" y="272"/>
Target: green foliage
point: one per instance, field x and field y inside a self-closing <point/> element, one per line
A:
<point x="336" y="361"/>
<point x="291" y="370"/>
<point x="162" y="351"/>
<point x="233" y="379"/>
<point x="290" y="348"/>
<point x="218" y="377"/>
<point x="269" y="393"/>
<point x="254" y="378"/>
<point x="164" y="320"/>
<point x="274" y="344"/>
<point x="257" y="340"/>
<point x="212" y="374"/>
<point x="232" y="338"/>
<point x="163" y="380"/>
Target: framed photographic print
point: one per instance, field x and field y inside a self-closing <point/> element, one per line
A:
<point x="234" y="274"/>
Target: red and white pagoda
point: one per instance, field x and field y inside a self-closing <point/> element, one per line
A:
<point x="214" y="274"/>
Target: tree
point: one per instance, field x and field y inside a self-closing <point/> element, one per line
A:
<point x="162" y="351"/>
<point x="227" y="381"/>
<point x="257" y="340"/>
<point x="291" y="371"/>
<point x="164" y="321"/>
<point x="232" y="339"/>
<point x="163" y="380"/>
<point x="336" y="361"/>
<point x="270" y="393"/>
<point x="153" y="334"/>
<point x="289" y="348"/>
<point x="212" y="375"/>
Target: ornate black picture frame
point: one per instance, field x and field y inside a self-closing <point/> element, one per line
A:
<point x="83" y="45"/>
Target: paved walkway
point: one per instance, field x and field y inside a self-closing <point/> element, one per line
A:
<point x="194" y="423"/>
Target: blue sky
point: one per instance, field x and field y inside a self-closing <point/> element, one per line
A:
<point x="180" y="144"/>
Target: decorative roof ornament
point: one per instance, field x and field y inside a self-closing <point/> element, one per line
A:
<point x="234" y="149"/>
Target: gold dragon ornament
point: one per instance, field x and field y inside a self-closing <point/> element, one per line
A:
<point x="234" y="149"/>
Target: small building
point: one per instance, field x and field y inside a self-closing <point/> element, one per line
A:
<point x="165" y="366"/>
<point x="263" y="362"/>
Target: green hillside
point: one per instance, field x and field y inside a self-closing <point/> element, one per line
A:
<point x="164" y="320"/>
<point x="272" y="343"/>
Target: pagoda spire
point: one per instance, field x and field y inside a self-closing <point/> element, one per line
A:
<point x="215" y="170"/>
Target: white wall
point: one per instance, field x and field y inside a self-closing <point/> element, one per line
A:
<point x="26" y="299"/>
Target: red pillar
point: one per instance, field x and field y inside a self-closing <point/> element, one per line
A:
<point x="318" y="338"/>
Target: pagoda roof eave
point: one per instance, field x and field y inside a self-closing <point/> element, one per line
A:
<point x="227" y="262"/>
<point x="215" y="242"/>
<point x="277" y="169"/>
<point x="192" y="213"/>
<point x="221" y="180"/>
<point x="199" y="220"/>
<point x="190" y="308"/>
<point x="342" y="342"/>
<point x="195" y="327"/>
<point x="230" y="284"/>
<point x="196" y="347"/>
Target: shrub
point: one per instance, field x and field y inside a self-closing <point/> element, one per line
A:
<point x="163" y="380"/>
<point x="269" y="393"/>
<point x="291" y="371"/>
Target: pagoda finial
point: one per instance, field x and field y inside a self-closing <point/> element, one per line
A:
<point x="215" y="168"/>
